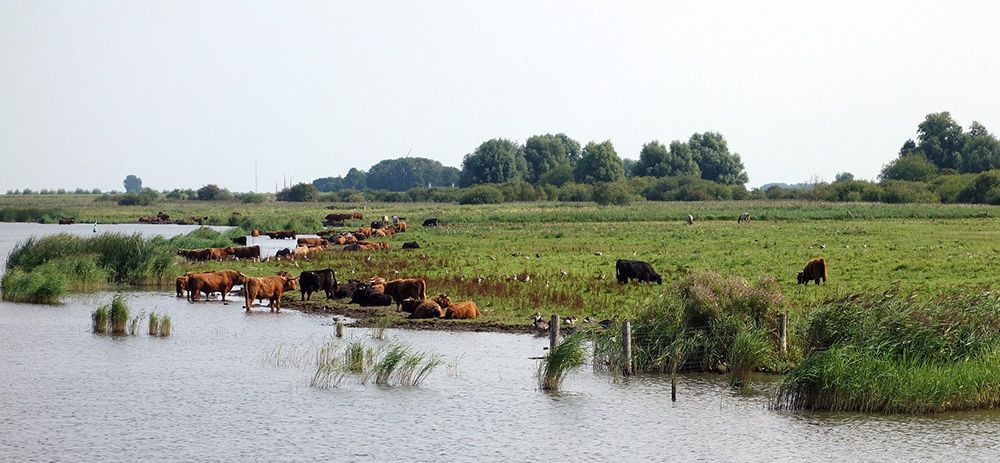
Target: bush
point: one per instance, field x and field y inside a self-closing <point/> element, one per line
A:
<point x="252" y="198"/>
<point x="212" y="192"/>
<point x="617" y="193"/>
<point x="144" y="198"/>
<point x="900" y="191"/>
<point x="576" y="192"/>
<point x="302" y="192"/>
<point x="984" y="188"/>
<point x="481" y="194"/>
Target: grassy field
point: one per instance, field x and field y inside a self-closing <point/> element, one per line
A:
<point x="518" y="259"/>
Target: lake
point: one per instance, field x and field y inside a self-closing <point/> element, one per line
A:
<point x="212" y="392"/>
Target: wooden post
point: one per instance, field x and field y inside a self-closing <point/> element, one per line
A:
<point x="627" y="346"/>
<point x="784" y="332"/>
<point x="340" y="329"/>
<point x="673" y="386"/>
<point x="553" y="332"/>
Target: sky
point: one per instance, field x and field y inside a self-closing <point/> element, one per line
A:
<point x="187" y="93"/>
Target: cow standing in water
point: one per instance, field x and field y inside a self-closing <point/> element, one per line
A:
<point x="638" y="270"/>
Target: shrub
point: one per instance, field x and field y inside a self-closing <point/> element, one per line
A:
<point x="302" y="192"/>
<point x="481" y="194"/>
<point x="617" y="193"/>
<point x="576" y="192"/>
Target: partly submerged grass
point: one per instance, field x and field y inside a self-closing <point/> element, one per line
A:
<point x="118" y="315"/>
<point x="100" y="320"/>
<point x="165" y="325"/>
<point x="567" y="356"/>
<point x="41" y="287"/>
<point x="154" y="324"/>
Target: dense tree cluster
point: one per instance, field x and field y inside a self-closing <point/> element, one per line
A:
<point x="392" y="175"/>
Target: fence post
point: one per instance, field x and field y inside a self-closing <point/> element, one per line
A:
<point x="340" y="329"/>
<point x="784" y="332"/>
<point x="553" y="332"/>
<point x="627" y="346"/>
<point x="673" y="386"/>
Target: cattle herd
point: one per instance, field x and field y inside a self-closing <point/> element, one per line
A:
<point x="408" y="294"/>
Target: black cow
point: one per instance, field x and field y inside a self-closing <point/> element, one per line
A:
<point x="364" y="297"/>
<point x="638" y="270"/>
<point x="284" y="253"/>
<point x="346" y="290"/>
<point x="431" y="222"/>
<point x="377" y="225"/>
<point x="240" y="240"/>
<point x="313" y="281"/>
<point x="411" y="245"/>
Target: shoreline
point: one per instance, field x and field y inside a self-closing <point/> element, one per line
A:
<point x="364" y="317"/>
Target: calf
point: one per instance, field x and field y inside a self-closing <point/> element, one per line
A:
<point x="638" y="270"/>
<point x="317" y="280"/>
<point x="458" y="310"/>
<point x="422" y="309"/>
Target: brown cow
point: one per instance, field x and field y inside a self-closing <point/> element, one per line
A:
<point x="312" y="242"/>
<point x="422" y="309"/>
<point x="458" y="310"/>
<point x="247" y="252"/>
<point x="271" y="288"/>
<point x="300" y="252"/>
<point x="255" y="232"/>
<point x="221" y="281"/>
<point x="815" y="270"/>
<point x="401" y="289"/>
<point x="357" y="216"/>
<point x="181" y="285"/>
<point x="401" y="227"/>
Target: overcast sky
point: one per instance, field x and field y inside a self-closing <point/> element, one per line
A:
<point x="188" y="93"/>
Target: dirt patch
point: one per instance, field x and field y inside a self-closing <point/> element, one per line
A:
<point x="366" y="316"/>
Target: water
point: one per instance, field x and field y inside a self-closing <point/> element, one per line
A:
<point x="206" y="393"/>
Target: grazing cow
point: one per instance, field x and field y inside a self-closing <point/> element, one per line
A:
<point x="401" y="227"/>
<point x="365" y="297"/>
<point x="284" y="253"/>
<point x="317" y="280"/>
<point x="744" y="218"/>
<point x="431" y="222"/>
<point x="401" y="289"/>
<point x="458" y="310"/>
<point x="271" y="288"/>
<point x="67" y="220"/>
<point x="240" y="240"/>
<point x="638" y="270"/>
<point x="247" y="252"/>
<point x="221" y="281"/>
<point x="815" y="270"/>
<point x="422" y="309"/>
<point x="690" y="219"/>
<point x="312" y="242"/>
<point x="411" y="245"/>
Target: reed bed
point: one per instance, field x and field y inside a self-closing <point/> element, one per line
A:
<point x="891" y="353"/>
<point x="100" y="320"/>
<point x="118" y="315"/>
<point x="165" y="325"/>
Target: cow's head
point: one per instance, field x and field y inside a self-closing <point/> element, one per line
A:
<point x="801" y="277"/>
<point x="443" y="300"/>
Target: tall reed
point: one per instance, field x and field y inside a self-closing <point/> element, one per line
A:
<point x="118" y="315"/>
<point x="100" y="319"/>
<point x="154" y="324"/>
<point x="165" y="325"/>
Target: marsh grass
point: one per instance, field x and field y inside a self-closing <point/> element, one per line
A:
<point x="748" y="352"/>
<point x="379" y="325"/>
<point x="100" y="320"/>
<point x="398" y="364"/>
<point x="354" y="357"/>
<point x="118" y="315"/>
<point x="558" y="362"/>
<point x="154" y="324"/>
<point x="893" y="353"/>
<point x="41" y="287"/>
<point x="165" y="325"/>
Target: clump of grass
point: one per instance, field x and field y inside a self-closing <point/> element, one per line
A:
<point x="379" y="325"/>
<point x="329" y="369"/>
<point x="165" y="325"/>
<point x="895" y="354"/>
<point x="100" y="319"/>
<point x="567" y="356"/>
<point x="154" y="324"/>
<point x="748" y="352"/>
<point x="354" y="357"/>
<point x="118" y="314"/>
<point x="396" y="363"/>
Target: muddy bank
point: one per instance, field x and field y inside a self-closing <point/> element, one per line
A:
<point x="367" y="316"/>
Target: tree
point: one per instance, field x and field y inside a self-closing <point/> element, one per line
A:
<point x="599" y="163"/>
<point x="356" y="179"/>
<point x="655" y="160"/>
<point x="843" y="177"/>
<point x="909" y="147"/>
<point x="495" y="161"/>
<point x="629" y="165"/>
<point x="710" y="151"/>
<point x="913" y="168"/>
<point x="542" y="153"/>
<point x="302" y="192"/>
<point x="940" y="140"/>
<point x="209" y="192"/>
<point x="132" y="184"/>
<point x="404" y="173"/>
<point x="982" y="150"/>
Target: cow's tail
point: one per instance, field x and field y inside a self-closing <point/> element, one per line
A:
<point x="423" y="290"/>
<point x="247" y="296"/>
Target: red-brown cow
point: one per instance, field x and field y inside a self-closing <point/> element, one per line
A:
<point x="458" y="310"/>
<point x="270" y="288"/>
<point x="221" y="281"/>
<point x="403" y="288"/>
